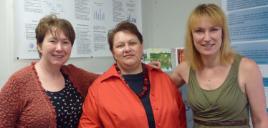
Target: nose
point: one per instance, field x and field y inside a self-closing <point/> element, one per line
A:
<point x="59" y="46"/>
<point x="207" y="36"/>
<point x="127" y="48"/>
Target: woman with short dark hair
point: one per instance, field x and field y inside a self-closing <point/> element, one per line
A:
<point x="46" y="94"/>
<point x="132" y="94"/>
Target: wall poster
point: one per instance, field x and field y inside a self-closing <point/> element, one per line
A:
<point x="91" y="20"/>
<point x="248" y="25"/>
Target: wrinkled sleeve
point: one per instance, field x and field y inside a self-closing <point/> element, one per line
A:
<point x="181" y="107"/>
<point x="182" y="111"/>
<point x="9" y="104"/>
<point x="90" y="117"/>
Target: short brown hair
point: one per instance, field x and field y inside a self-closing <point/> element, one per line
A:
<point x="47" y="23"/>
<point x="125" y="26"/>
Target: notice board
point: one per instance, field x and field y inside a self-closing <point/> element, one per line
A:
<point x="248" y="24"/>
<point x="91" y="19"/>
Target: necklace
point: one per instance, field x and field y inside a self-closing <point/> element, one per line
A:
<point x="145" y="80"/>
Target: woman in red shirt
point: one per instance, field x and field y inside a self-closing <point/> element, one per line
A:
<point x="131" y="94"/>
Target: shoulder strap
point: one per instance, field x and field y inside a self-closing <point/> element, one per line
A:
<point x="236" y="64"/>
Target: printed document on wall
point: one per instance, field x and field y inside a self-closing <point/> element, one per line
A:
<point x="91" y="19"/>
<point x="248" y="26"/>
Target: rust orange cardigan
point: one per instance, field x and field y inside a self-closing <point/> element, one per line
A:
<point x="24" y="103"/>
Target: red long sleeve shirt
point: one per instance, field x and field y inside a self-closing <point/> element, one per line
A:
<point x="110" y="103"/>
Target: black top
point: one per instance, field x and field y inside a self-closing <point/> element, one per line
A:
<point x="135" y="82"/>
<point x="68" y="104"/>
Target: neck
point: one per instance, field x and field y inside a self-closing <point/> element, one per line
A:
<point x="210" y="61"/>
<point x="130" y="70"/>
<point x="46" y="68"/>
<point x="145" y="79"/>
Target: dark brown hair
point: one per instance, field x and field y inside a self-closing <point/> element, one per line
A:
<point x="125" y="26"/>
<point x="50" y="22"/>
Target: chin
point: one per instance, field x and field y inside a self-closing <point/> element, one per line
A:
<point x="59" y="63"/>
<point x="209" y="53"/>
<point x="132" y="64"/>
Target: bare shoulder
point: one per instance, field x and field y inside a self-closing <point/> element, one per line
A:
<point x="247" y="65"/>
<point x="251" y="77"/>
<point x="182" y="68"/>
<point x="180" y="74"/>
<point x="249" y="73"/>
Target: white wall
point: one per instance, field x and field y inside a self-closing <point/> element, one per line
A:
<point x="4" y="44"/>
<point x="164" y="21"/>
<point x="163" y="27"/>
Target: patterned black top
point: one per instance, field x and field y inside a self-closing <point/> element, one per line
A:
<point x="68" y="103"/>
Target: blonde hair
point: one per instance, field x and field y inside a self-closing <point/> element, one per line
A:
<point x="218" y="17"/>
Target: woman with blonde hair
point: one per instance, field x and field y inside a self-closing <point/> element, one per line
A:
<point x="222" y="85"/>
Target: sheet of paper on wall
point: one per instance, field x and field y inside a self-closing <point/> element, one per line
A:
<point x="91" y="19"/>
<point x="163" y="55"/>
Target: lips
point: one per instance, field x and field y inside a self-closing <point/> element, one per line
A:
<point x="128" y="55"/>
<point x="208" y="45"/>
<point x="58" y="56"/>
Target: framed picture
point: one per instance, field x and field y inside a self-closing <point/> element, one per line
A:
<point x="159" y="54"/>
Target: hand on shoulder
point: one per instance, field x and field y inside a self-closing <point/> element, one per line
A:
<point x="155" y="64"/>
